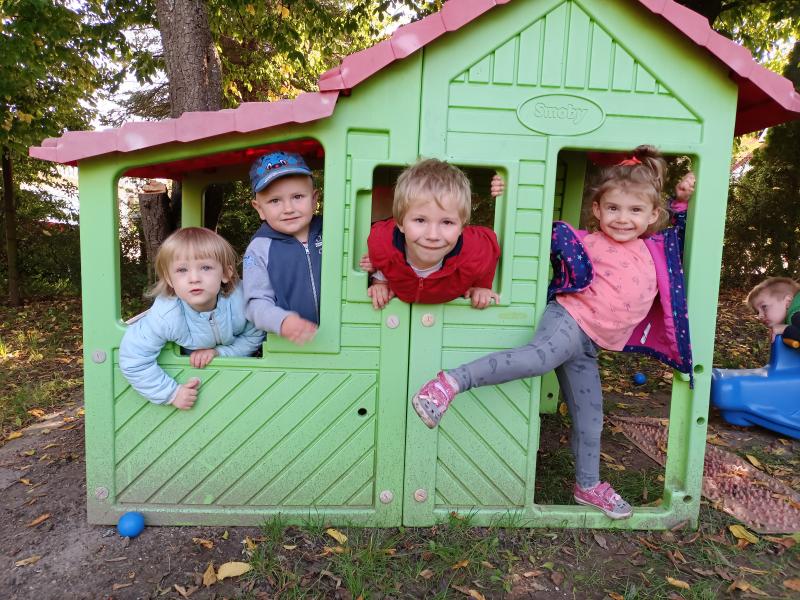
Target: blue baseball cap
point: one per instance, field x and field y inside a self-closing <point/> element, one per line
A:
<point x="274" y="165"/>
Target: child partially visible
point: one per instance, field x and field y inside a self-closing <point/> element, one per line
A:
<point x="428" y="253"/>
<point x="619" y="288"/>
<point x="198" y="305"/>
<point x="776" y="302"/>
<point x="283" y="263"/>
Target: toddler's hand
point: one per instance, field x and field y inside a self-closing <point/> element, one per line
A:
<point x="366" y="264"/>
<point x="380" y="294"/>
<point x="498" y="186"/>
<point x="186" y="395"/>
<point x="297" y="330"/>
<point x="685" y="187"/>
<point x="200" y="358"/>
<point x="481" y="297"/>
<point x="777" y="330"/>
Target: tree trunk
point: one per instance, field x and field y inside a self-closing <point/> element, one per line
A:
<point x="154" y="208"/>
<point x="192" y="64"/>
<point x="10" y="209"/>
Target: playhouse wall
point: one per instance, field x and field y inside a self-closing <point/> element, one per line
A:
<point x="325" y="431"/>
<point x="309" y="433"/>
<point x="481" y="91"/>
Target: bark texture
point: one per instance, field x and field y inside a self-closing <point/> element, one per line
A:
<point x="10" y="211"/>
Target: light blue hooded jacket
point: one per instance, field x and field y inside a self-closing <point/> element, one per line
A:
<point x="170" y="319"/>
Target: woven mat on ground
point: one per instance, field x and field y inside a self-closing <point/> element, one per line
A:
<point x="733" y="485"/>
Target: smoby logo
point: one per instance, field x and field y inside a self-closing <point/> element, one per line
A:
<point x="560" y="114"/>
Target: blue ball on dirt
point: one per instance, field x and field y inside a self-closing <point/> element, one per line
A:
<point x="639" y="378"/>
<point x="130" y="524"/>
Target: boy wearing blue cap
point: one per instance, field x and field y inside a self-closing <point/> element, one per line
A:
<point x="282" y="263"/>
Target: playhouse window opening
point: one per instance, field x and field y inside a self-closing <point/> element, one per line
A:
<point x="384" y="179"/>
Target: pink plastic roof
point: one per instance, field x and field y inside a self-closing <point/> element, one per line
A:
<point x="765" y="98"/>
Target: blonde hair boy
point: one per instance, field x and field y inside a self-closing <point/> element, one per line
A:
<point x="776" y="302"/>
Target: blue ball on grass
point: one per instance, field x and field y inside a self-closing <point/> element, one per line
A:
<point x="130" y="524"/>
<point x="639" y="378"/>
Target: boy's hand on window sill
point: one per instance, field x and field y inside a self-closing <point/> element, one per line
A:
<point x="200" y="358"/>
<point x="482" y="297"/>
<point x="186" y="395"/>
<point x="297" y="330"/>
<point x="380" y="294"/>
<point x="497" y="186"/>
<point x="365" y="264"/>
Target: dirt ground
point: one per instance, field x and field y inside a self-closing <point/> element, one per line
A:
<point x="43" y="473"/>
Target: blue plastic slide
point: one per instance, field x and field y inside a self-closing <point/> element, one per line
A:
<point x="769" y="396"/>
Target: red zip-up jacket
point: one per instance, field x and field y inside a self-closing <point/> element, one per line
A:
<point x="471" y="263"/>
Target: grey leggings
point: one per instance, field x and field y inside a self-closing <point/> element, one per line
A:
<point x="559" y="344"/>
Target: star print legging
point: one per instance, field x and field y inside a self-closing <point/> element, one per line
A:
<point x="559" y="344"/>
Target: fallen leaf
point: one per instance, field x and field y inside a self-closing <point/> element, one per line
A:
<point x="562" y="409"/>
<point x="14" y="435"/>
<point x="557" y="578"/>
<point x="225" y="535"/>
<point x="753" y="571"/>
<point x="39" y="519"/>
<point x="723" y="573"/>
<point x="460" y="564"/>
<point x="25" y="482"/>
<point x="741" y="533"/>
<point x="534" y="573"/>
<point x="741" y="584"/>
<point x="210" y="576"/>
<point x="426" y="574"/>
<point x="487" y="564"/>
<point x="678" y="583"/>
<point x="30" y="452"/>
<point x="703" y="572"/>
<point x="232" y="569"/>
<point x="185" y="592"/>
<point x="615" y="596"/>
<point x="207" y="544"/>
<point x="754" y="461"/>
<point x="289" y="547"/>
<point x="678" y="556"/>
<point x="792" y="584"/>
<point x="601" y="541"/>
<point x="119" y="586"/>
<point x="28" y="561"/>
<point x="469" y="592"/>
<point x="337" y="535"/>
<point x="249" y="544"/>
<point x="36" y="412"/>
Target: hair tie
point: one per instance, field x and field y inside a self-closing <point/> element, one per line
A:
<point x="629" y="162"/>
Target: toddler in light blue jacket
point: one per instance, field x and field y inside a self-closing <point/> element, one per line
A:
<point x="199" y="305"/>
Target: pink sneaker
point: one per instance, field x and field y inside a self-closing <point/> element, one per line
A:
<point x="432" y="400"/>
<point x="604" y="497"/>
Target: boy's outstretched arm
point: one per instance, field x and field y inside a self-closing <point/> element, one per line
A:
<point x="298" y="330"/>
<point x="482" y="297"/>
<point x="380" y="293"/>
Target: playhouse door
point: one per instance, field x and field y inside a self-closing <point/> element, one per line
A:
<point x="477" y="460"/>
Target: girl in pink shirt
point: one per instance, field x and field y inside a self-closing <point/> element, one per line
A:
<point x="627" y="206"/>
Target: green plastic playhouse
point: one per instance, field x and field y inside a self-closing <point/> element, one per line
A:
<point x="526" y="87"/>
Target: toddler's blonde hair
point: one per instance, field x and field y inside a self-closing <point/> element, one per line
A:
<point x="641" y="175"/>
<point x="776" y="287"/>
<point x="432" y="179"/>
<point x="199" y="243"/>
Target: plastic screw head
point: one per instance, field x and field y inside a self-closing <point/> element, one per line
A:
<point x="392" y="321"/>
<point x="101" y="493"/>
<point x="99" y="356"/>
<point x="386" y="496"/>
<point x="428" y="319"/>
<point x="421" y="495"/>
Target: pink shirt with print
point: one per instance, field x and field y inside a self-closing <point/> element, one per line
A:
<point x="621" y="292"/>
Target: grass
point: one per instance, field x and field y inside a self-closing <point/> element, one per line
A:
<point x="40" y="360"/>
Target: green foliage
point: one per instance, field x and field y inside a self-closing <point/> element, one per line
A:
<point x="763" y="219"/>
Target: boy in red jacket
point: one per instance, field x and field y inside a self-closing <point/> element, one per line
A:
<point x="427" y="253"/>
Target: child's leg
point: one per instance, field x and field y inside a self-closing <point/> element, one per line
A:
<point x="579" y="379"/>
<point x="558" y="338"/>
